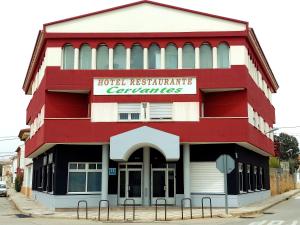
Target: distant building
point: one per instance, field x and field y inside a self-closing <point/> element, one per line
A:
<point x="139" y="101"/>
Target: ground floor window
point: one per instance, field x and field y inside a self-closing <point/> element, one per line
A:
<point x="261" y="176"/>
<point x="249" y="177"/>
<point x="84" y="177"/>
<point x="241" y="177"/>
<point x="255" y="178"/>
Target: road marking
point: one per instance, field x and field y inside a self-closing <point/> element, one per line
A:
<point x="273" y="222"/>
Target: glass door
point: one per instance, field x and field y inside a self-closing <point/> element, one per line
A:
<point x="130" y="183"/>
<point x="163" y="185"/>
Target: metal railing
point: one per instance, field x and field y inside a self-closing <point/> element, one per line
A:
<point x="86" y="208"/>
<point x="99" y="209"/>
<point x="210" y="206"/>
<point x="165" y="204"/>
<point x="133" y="208"/>
<point x="191" y="211"/>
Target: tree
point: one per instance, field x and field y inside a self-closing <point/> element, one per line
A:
<point x="287" y="148"/>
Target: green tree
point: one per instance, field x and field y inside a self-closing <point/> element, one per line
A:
<point x="288" y="149"/>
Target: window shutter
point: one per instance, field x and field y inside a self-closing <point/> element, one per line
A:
<point x="129" y="108"/>
<point x="161" y="110"/>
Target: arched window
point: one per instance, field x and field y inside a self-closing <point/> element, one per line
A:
<point x="171" y="57"/>
<point x="188" y="56"/>
<point x="102" y="57"/>
<point x="68" y="57"/>
<point x="85" y="57"/>
<point x="223" y="55"/>
<point x="119" y="57"/>
<point x="206" y="59"/>
<point x="136" y="57"/>
<point x="154" y="57"/>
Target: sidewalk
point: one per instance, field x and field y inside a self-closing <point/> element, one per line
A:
<point x="33" y="208"/>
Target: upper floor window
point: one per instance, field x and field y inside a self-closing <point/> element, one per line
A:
<point x="188" y="57"/>
<point x="161" y="111"/>
<point x="129" y="111"/>
<point x="119" y="59"/>
<point x="68" y="57"/>
<point x="102" y="57"/>
<point x="136" y="57"/>
<point x="206" y="57"/>
<point x="85" y="57"/>
<point x="154" y="57"/>
<point x="223" y="55"/>
<point x="171" y="57"/>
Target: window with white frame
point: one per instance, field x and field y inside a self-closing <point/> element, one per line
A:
<point x="261" y="177"/>
<point x="129" y="111"/>
<point x="84" y="177"/>
<point x="241" y="177"/>
<point x="160" y="111"/>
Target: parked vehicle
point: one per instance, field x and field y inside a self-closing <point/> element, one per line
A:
<point x="3" y="188"/>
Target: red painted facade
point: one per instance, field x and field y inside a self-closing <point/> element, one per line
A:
<point x="225" y="93"/>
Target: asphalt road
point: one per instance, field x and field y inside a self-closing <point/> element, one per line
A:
<point x="285" y="213"/>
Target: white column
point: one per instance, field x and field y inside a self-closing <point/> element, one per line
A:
<point x="76" y="58"/>
<point x="146" y="175"/>
<point x="94" y="53"/>
<point x="105" y="165"/>
<point x="197" y="58"/>
<point x="127" y="58"/>
<point x="145" y="58"/>
<point x="162" y="58"/>
<point x="110" y="58"/>
<point x="186" y="172"/>
<point x="179" y="58"/>
<point x="215" y="57"/>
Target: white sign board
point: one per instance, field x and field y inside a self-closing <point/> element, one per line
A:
<point x="145" y="86"/>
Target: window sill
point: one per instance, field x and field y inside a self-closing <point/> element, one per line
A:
<point x="83" y="193"/>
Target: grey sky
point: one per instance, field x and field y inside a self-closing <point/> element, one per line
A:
<point x="275" y="24"/>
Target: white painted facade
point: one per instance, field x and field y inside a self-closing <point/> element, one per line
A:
<point x="145" y="17"/>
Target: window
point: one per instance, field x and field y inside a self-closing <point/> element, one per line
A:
<point x="223" y="55"/>
<point x="136" y="57"/>
<point x="249" y="177"/>
<point x="161" y="111"/>
<point x="188" y="57"/>
<point x="241" y="177"/>
<point x="261" y="177"/>
<point x="44" y="174"/>
<point x="206" y="58"/>
<point x="102" y="57"/>
<point x="129" y="111"/>
<point x="119" y="61"/>
<point x="84" y="177"/>
<point x="85" y="57"/>
<point x="154" y="57"/>
<point x="171" y="57"/>
<point x="68" y="57"/>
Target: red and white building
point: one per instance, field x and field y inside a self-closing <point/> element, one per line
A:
<point x="139" y="101"/>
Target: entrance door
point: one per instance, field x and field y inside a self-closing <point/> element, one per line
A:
<point x="163" y="185"/>
<point x="130" y="183"/>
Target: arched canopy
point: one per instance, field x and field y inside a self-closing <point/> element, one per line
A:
<point x="124" y="144"/>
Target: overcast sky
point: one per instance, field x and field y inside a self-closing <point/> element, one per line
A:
<point x="275" y="24"/>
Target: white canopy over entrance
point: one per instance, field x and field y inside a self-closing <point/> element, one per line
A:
<point x="124" y="144"/>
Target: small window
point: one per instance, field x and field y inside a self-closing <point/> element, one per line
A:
<point x="171" y="57"/>
<point x="85" y="57"/>
<point x="206" y="57"/>
<point x="102" y="57"/>
<point x="223" y="55"/>
<point x="68" y="57"/>
<point x="129" y="111"/>
<point x="188" y="57"/>
<point x="161" y="111"/>
<point x="154" y="57"/>
<point x="136" y="57"/>
<point x="119" y="61"/>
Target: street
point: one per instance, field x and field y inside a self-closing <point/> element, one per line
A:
<point x="285" y="213"/>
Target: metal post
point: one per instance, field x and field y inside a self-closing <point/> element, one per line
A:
<point x="191" y="212"/>
<point x="107" y="218"/>
<point x="133" y="204"/>
<point x="165" y="204"/>
<point x="225" y="184"/>
<point x="86" y="208"/>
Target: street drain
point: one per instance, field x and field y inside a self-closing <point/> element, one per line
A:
<point x="268" y="213"/>
<point x="22" y="216"/>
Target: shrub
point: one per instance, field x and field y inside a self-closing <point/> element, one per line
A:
<point x="18" y="182"/>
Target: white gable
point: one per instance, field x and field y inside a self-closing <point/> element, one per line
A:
<point x="145" y="17"/>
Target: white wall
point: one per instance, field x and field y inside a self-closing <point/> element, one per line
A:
<point x="128" y="20"/>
